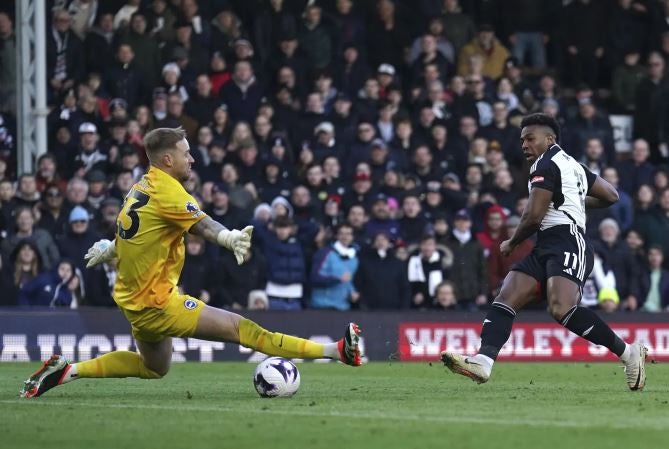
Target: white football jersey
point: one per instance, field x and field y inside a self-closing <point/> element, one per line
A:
<point x="570" y="183"/>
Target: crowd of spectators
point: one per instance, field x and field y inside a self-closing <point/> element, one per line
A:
<point x="373" y="144"/>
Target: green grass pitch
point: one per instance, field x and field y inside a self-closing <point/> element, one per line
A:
<point x="381" y="405"/>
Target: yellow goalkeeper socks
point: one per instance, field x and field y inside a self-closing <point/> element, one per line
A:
<point x="276" y="344"/>
<point x="113" y="364"/>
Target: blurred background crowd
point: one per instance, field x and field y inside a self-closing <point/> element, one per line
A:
<point x="373" y="144"/>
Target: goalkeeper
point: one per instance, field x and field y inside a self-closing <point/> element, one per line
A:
<point x="156" y="214"/>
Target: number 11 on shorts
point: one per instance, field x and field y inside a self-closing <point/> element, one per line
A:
<point x="574" y="260"/>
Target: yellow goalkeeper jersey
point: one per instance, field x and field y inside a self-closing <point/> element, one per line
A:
<point x="156" y="214"/>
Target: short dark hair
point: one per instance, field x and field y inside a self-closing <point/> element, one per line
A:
<point x="161" y="139"/>
<point x="541" y="119"/>
<point x="657" y="247"/>
<point x="283" y="221"/>
<point x="343" y="224"/>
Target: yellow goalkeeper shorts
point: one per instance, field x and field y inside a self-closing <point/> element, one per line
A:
<point x="178" y="319"/>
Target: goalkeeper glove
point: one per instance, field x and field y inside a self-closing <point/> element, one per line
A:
<point x="102" y="251"/>
<point x="239" y="242"/>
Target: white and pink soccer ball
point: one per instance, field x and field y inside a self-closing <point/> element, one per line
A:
<point x="276" y="377"/>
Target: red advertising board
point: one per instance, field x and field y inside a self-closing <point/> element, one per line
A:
<point x="423" y="341"/>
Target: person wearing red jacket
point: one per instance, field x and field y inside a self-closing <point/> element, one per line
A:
<point x="493" y="232"/>
<point x="498" y="265"/>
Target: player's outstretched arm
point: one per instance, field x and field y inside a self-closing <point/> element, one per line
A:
<point x="534" y="212"/>
<point x="102" y="251"/>
<point x="239" y="242"/>
<point x="602" y="194"/>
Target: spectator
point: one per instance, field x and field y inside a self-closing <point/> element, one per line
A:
<point x="352" y="71"/>
<point x="316" y="38"/>
<point x="498" y="265"/>
<point x="100" y="284"/>
<point x="349" y="22"/>
<point x="243" y="94"/>
<point x="332" y="273"/>
<point x="42" y="241"/>
<point x="486" y="45"/>
<point x="62" y="286"/>
<point x="527" y="23"/>
<point x="78" y="238"/>
<point x="494" y="229"/>
<point x="635" y="242"/>
<point x="381" y="278"/>
<point x="269" y="27"/>
<point x="654" y="292"/>
<point x="503" y="132"/>
<point x="197" y="276"/>
<point x="7" y="63"/>
<point x="90" y="156"/>
<point x="234" y="283"/>
<point x="53" y="216"/>
<point x="177" y="118"/>
<point x="459" y="28"/>
<point x="124" y="79"/>
<point x="357" y="217"/>
<point x="145" y="47"/>
<point x="622" y="211"/>
<point x="648" y="100"/>
<point x="387" y="37"/>
<point x="161" y="21"/>
<point x="123" y="15"/>
<point x="26" y="193"/>
<point x="594" y="159"/>
<point x="24" y="266"/>
<point x="190" y="12"/>
<point x="599" y="289"/>
<point x="172" y="81"/>
<point x="444" y="297"/>
<point x="425" y="270"/>
<point x="584" y="39"/>
<point x="638" y="170"/>
<point x="653" y="225"/>
<point x="626" y="79"/>
<point x="430" y="53"/>
<point x="107" y="218"/>
<point x="381" y="220"/>
<point x="468" y="272"/>
<point x="413" y="223"/>
<point x="286" y="273"/>
<point x="63" y="50"/>
<point x="616" y="255"/>
<point x="628" y="30"/>
<point x="443" y="45"/>
<point x="588" y="124"/>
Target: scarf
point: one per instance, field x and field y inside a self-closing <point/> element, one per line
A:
<point x="416" y="273"/>
<point x="343" y="251"/>
<point x="60" y="69"/>
<point x="463" y="237"/>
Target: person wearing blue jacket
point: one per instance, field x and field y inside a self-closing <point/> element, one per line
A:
<point x="286" y="272"/>
<point x="332" y="272"/>
<point x="59" y="287"/>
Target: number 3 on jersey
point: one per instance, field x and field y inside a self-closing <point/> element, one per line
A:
<point x="131" y="212"/>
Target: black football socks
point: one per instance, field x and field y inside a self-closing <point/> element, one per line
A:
<point x="496" y="329"/>
<point x="587" y="324"/>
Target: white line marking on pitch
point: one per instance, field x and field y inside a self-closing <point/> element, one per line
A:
<point x="313" y="413"/>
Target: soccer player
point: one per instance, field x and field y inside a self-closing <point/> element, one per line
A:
<point x="561" y="190"/>
<point x="149" y="247"/>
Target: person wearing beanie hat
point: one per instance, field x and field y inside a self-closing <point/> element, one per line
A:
<point x="149" y="246"/>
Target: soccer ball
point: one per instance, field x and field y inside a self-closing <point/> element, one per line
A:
<point x="276" y="378"/>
